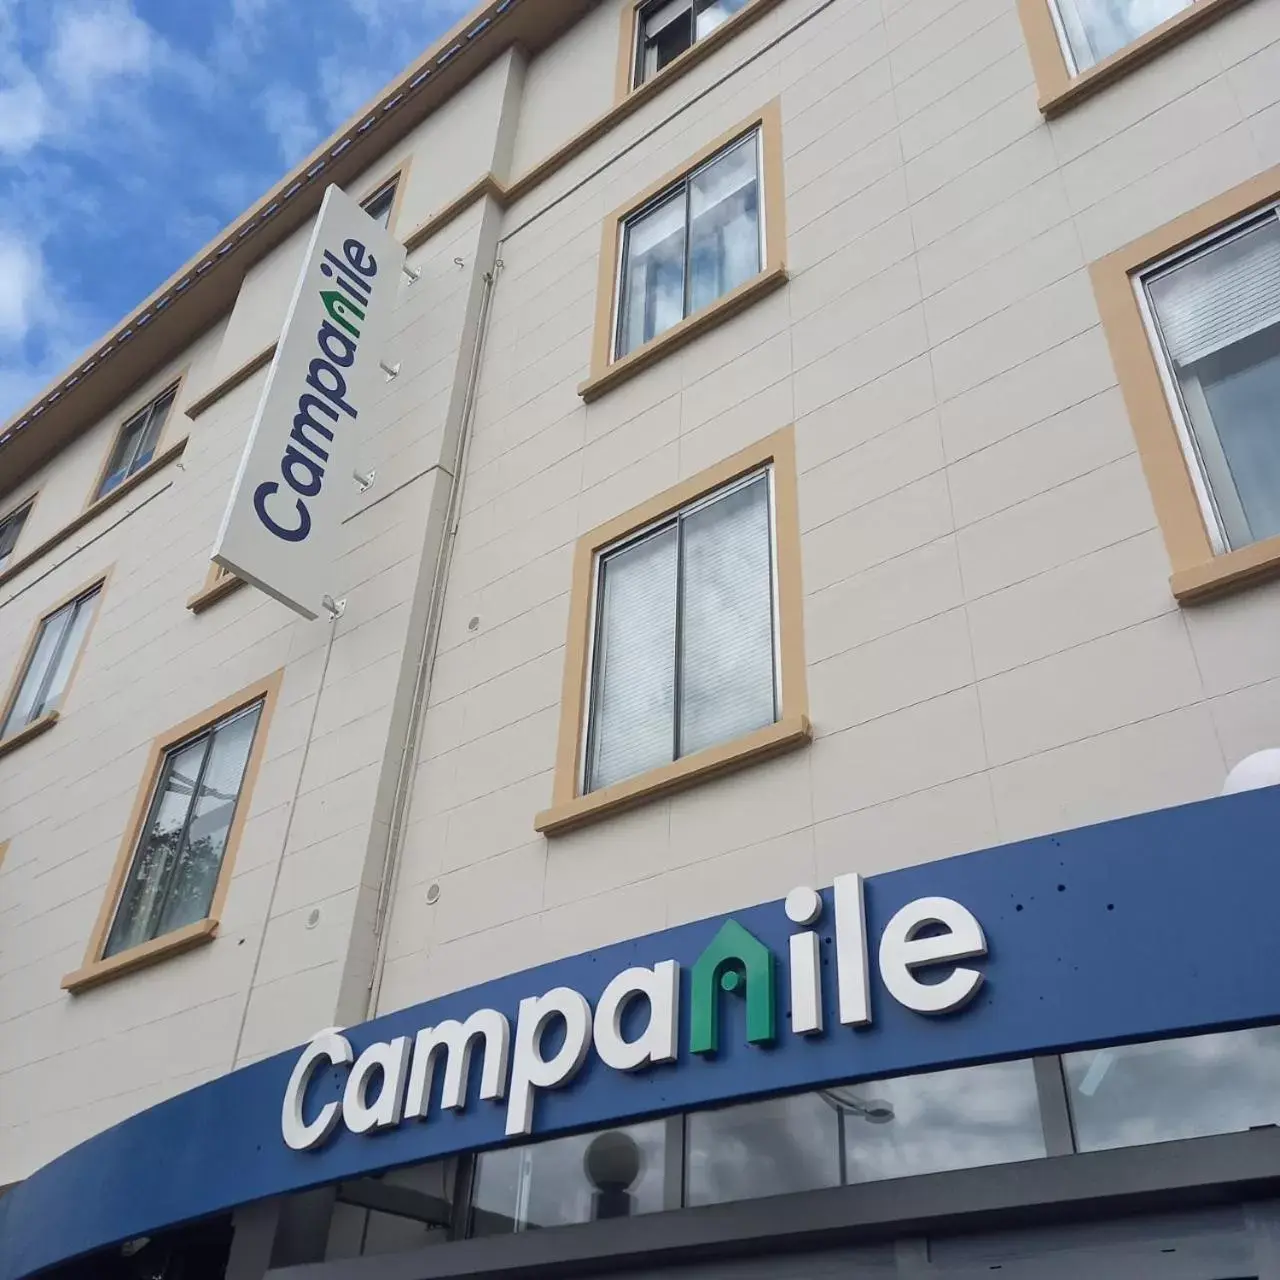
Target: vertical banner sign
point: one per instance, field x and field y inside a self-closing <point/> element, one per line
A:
<point x="282" y="524"/>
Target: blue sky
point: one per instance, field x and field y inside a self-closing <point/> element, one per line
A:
<point x="132" y="131"/>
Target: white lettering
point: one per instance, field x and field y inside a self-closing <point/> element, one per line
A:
<point x="455" y="1040"/>
<point x="660" y="986"/>
<point x="329" y="1047"/>
<point x="529" y="1069"/>
<point x="902" y="950"/>
<point x="390" y="1059"/>
<point x="853" y="978"/>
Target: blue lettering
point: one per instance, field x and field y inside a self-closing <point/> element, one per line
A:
<point x="297" y="534"/>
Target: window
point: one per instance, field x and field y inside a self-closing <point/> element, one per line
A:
<point x="218" y="584"/>
<point x="693" y="244"/>
<point x="699" y="245"/>
<point x="1191" y="312"/>
<point x="1216" y="316"/>
<point x="665" y="29"/>
<point x="1168" y="1089"/>
<point x="684" y="643"/>
<point x="379" y="205"/>
<point x="684" y="652"/>
<point x="136" y="444"/>
<point x="173" y="869"/>
<point x="1091" y="30"/>
<point x="1079" y="46"/>
<point x="179" y="855"/>
<point x="47" y="672"/>
<point x="10" y="531"/>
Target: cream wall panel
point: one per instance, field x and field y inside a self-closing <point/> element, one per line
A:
<point x="568" y="85"/>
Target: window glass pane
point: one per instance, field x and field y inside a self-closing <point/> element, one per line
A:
<point x="195" y="873"/>
<point x="1095" y="29"/>
<point x="379" y="206"/>
<point x="9" y="531"/>
<point x="1167" y="1089"/>
<point x="652" y="273"/>
<point x="31" y="689"/>
<point x="762" y="1149"/>
<point x="151" y="434"/>
<point x="158" y="850"/>
<point x="1219" y="321"/>
<point x="68" y="651"/>
<point x="122" y="455"/>
<point x="615" y="1174"/>
<point x="666" y="32"/>
<point x="727" y="675"/>
<point x="724" y="231"/>
<point x="948" y="1120"/>
<point x="711" y="13"/>
<point x="175" y="868"/>
<point x="632" y="715"/>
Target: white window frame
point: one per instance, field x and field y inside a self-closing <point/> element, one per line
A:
<point x="682" y="183"/>
<point x="1192" y="450"/>
<point x="638" y="535"/>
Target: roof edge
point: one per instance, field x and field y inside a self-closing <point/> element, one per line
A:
<point x="478" y="32"/>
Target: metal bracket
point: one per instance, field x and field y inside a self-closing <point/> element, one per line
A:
<point x="391" y="370"/>
<point x="334" y="608"/>
<point x="412" y="272"/>
<point x="364" y="480"/>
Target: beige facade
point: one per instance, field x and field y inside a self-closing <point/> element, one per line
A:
<point x="991" y="645"/>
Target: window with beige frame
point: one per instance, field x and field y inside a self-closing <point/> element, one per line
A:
<point x="690" y="252"/>
<point x="382" y="202"/>
<point x="1192" y="314"/>
<point x="661" y="38"/>
<point x="1078" y="46"/>
<point x="174" y="867"/>
<point x="136" y="443"/>
<point x="685" y="654"/>
<point x="49" y="664"/>
<point x="218" y="584"/>
<point x="11" y="526"/>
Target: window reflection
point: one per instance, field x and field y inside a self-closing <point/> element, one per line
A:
<point x="1095" y="29"/>
<point x="948" y="1120"/>
<point x="614" y="1174"/>
<point x="1167" y="1089"/>
<point x="762" y="1149"/>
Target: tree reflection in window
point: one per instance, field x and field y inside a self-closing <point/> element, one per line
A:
<point x="175" y="868"/>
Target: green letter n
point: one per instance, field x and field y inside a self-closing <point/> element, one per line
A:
<point x="739" y="963"/>
<point x="341" y="309"/>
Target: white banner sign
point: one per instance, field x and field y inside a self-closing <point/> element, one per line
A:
<point x="282" y="525"/>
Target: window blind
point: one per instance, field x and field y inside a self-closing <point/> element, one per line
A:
<point x="634" y="705"/>
<point x="1221" y="297"/>
<point x="727" y="684"/>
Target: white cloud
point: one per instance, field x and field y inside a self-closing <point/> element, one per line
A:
<point x="286" y="111"/>
<point x="22" y="271"/>
<point x="24" y="112"/>
<point x="96" y="43"/>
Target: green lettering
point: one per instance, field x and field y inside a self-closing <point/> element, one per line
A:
<point x="738" y="963"/>
<point x="339" y="308"/>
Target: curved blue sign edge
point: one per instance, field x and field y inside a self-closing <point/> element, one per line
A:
<point x="1142" y="928"/>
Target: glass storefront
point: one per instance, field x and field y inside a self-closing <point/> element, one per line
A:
<point x="963" y="1118"/>
<point x="1166" y="1089"/>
